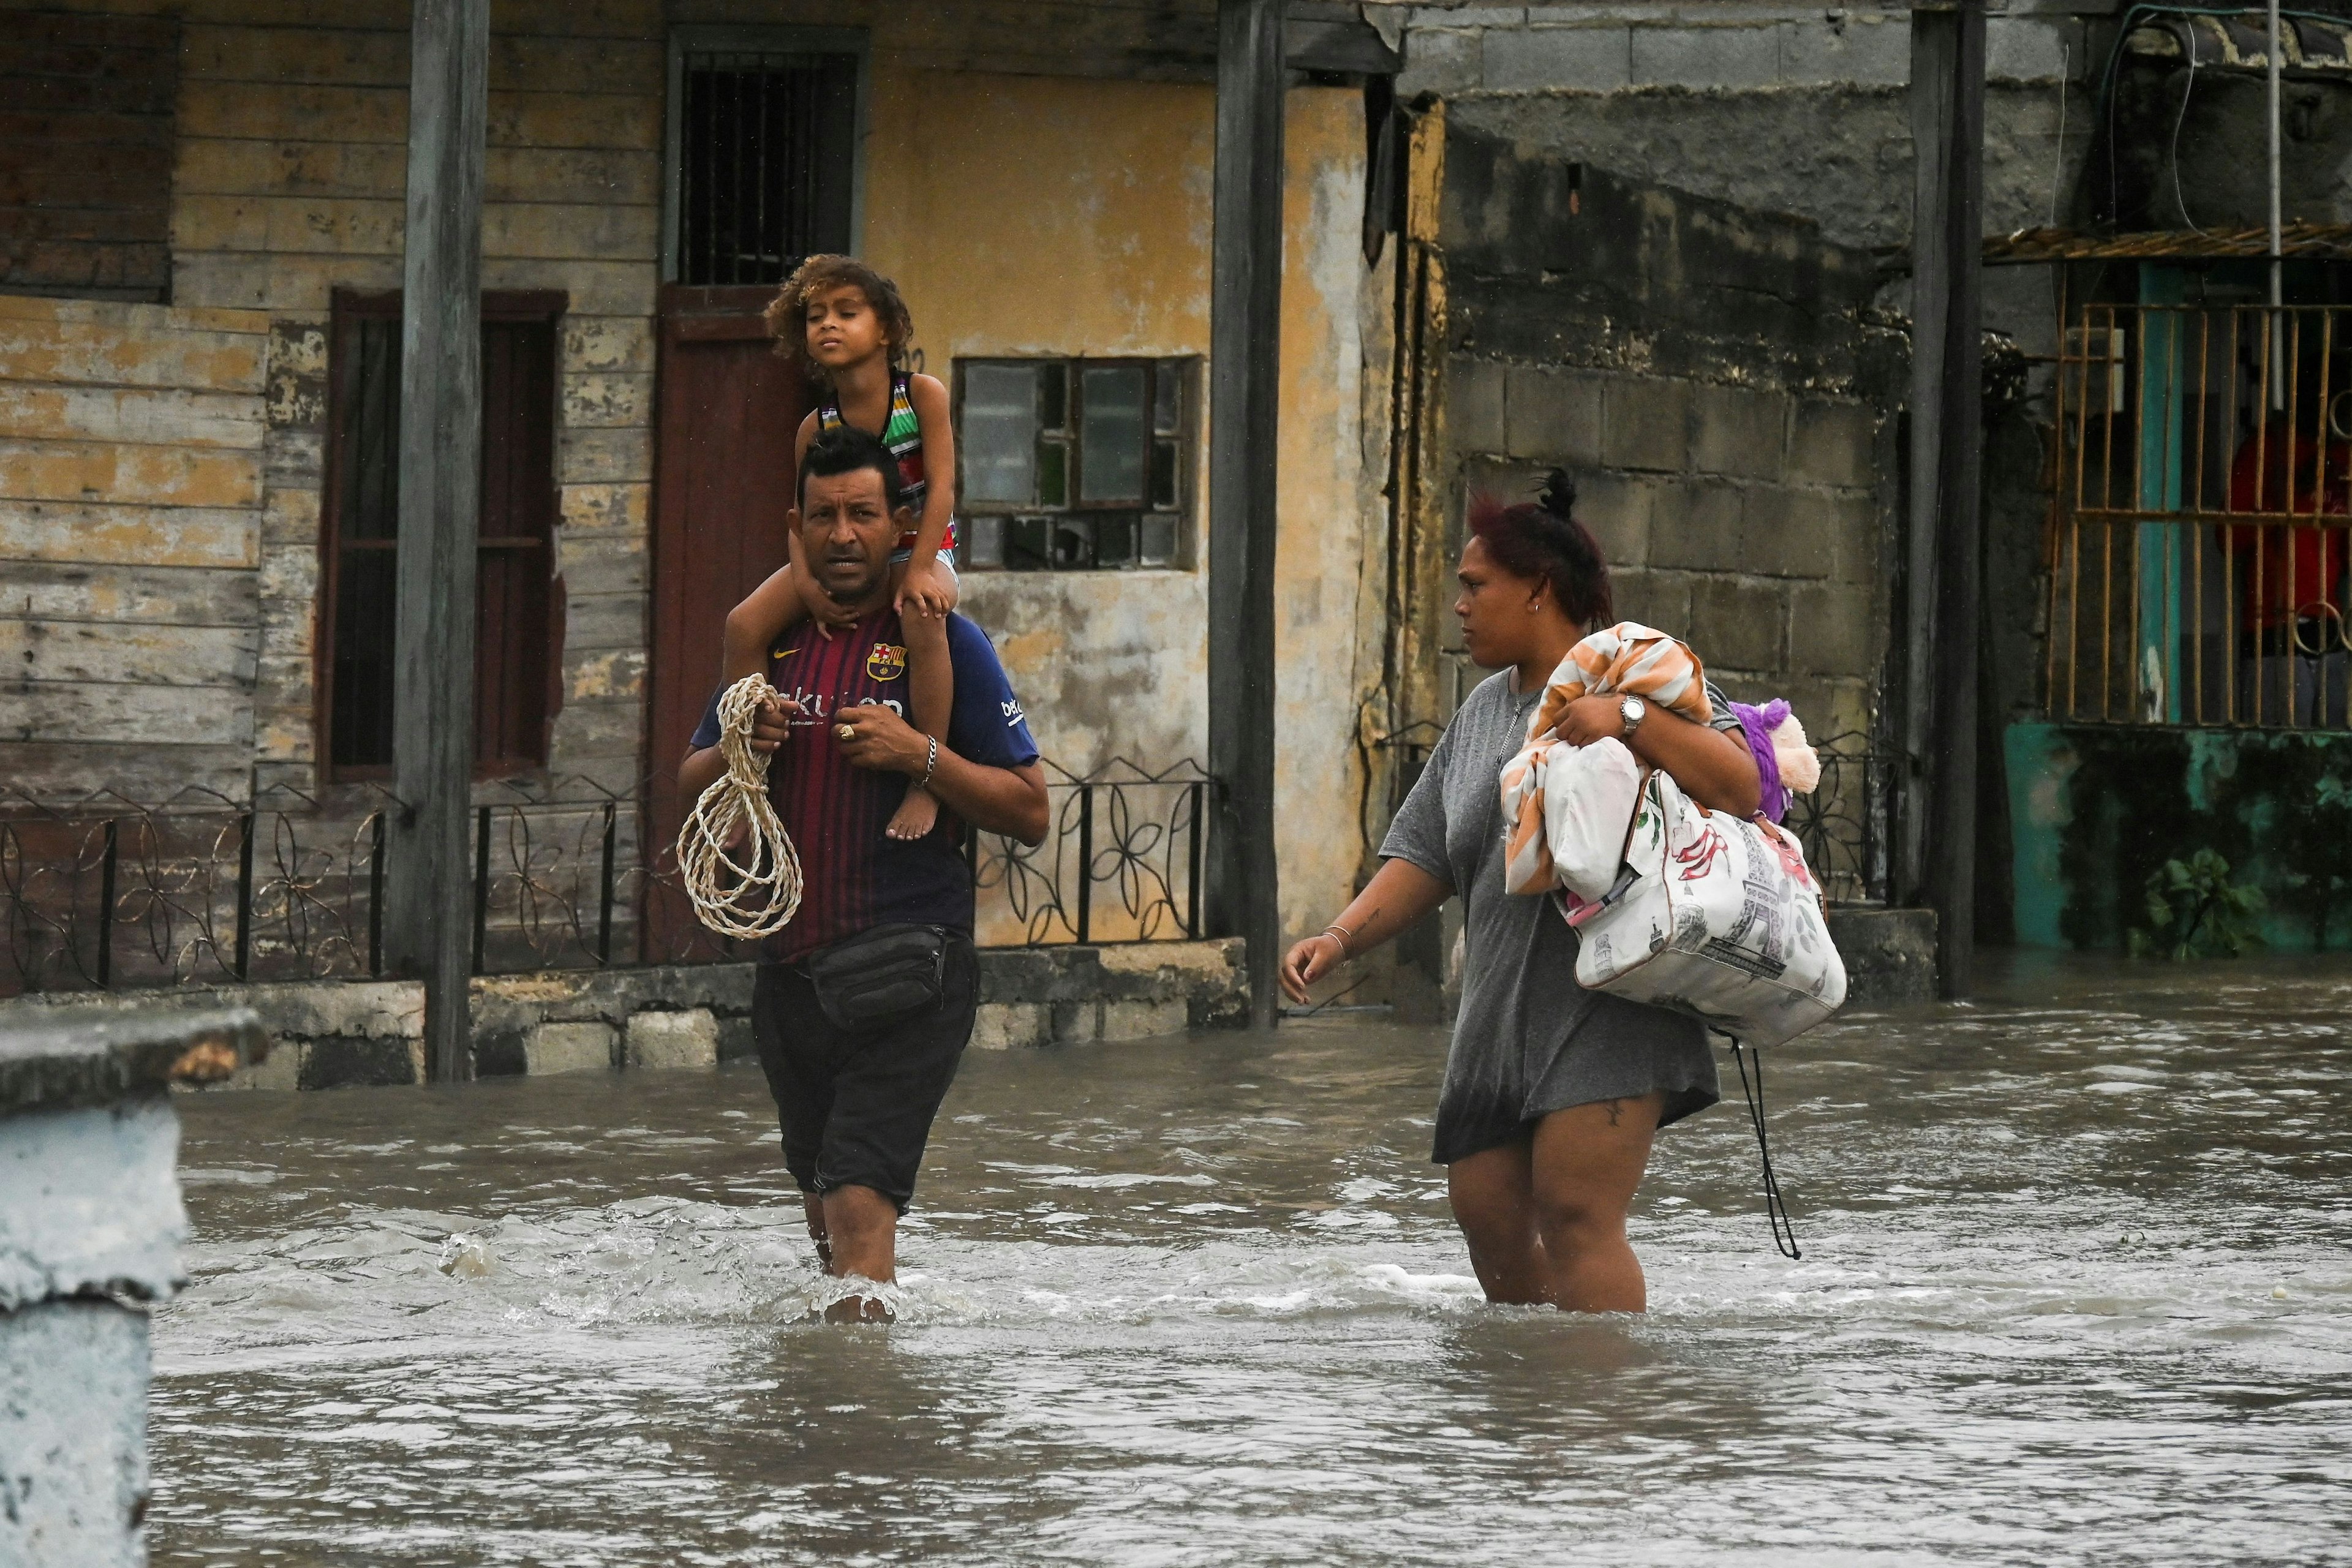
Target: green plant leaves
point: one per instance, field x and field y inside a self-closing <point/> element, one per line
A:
<point x="2194" y="911"/>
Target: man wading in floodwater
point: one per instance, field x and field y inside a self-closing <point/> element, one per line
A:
<point x="859" y="1075"/>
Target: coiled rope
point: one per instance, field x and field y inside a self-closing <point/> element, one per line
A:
<point x="754" y="896"/>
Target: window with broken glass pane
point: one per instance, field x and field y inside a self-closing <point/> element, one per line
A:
<point x="1072" y="465"/>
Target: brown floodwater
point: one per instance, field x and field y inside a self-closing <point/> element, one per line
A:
<point x="2075" y="1289"/>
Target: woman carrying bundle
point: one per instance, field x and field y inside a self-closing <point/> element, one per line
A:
<point x="1551" y="1092"/>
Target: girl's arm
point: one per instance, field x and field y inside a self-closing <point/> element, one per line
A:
<point x="1399" y="894"/>
<point x="753" y="625"/>
<point x="930" y="396"/>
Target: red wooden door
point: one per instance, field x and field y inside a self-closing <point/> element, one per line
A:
<point x="723" y="484"/>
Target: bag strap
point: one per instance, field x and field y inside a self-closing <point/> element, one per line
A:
<point x="1641" y="794"/>
<point x="1776" y="1209"/>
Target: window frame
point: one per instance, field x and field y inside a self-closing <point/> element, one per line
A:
<point x="812" y="42"/>
<point x="1186" y="436"/>
<point x="347" y="305"/>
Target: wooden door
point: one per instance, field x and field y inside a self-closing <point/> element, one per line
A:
<point x="728" y="407"/>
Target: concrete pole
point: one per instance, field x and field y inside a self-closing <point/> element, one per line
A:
<point x="1245" y="414"/>
<point x="429" y="882"/>
<point x="1945" y="553"/>
<point x="90" y="1227"/>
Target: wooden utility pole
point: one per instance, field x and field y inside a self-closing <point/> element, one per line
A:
<point x="429" y="878"/>
<point x="1244" y="363"/>
<point x="1944" y="549"/>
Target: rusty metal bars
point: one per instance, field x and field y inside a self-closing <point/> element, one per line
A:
<point x="2227" y="603"/>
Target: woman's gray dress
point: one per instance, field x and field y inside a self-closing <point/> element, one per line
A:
<point x="1529" y="1040"/>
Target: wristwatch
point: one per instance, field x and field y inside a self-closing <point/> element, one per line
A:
<point x="1631" y="711"/>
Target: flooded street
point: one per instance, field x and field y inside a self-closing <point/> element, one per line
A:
<point x="2075" y="1289"/>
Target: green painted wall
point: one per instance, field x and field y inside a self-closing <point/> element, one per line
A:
<point x="2095" y="808"/>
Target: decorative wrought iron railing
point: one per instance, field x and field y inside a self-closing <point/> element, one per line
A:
<point x="106" y="891"/>
<point x="2201" y="516"/>
<point x="1846" y="824"/>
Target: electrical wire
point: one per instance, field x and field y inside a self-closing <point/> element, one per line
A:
<point x="2058" y="153"/>
<point x="2179" y="196"/>
<point x="2104" y="110"/>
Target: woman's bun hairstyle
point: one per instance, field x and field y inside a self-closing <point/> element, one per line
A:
<point x="1542" y="540"/>
<point x="1559" y="497"/>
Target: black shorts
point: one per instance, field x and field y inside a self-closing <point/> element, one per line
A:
<point x="856" y="1110"/>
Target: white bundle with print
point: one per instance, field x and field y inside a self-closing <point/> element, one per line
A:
<point x="1712" y="915"/>
<point x="1588" y="795"/>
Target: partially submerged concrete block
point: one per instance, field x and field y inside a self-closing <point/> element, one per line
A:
<point x="1142" y="1020"/>
<point x="567" y="1048"/>
<point x="1890" y="954"/>
<point x="91" y="1226"/>
<point x="1009" y="1026"/>
<point x="683" y="1039"/>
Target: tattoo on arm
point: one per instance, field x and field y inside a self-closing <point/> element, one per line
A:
<point x="1616" y="1110"/>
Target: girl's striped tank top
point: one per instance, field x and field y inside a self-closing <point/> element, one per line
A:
<point x="903" y="434"/>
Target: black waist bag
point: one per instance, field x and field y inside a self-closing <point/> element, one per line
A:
<point x="880" y="977"/>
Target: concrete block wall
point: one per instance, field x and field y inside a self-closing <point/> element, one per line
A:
<point x="337" y="1033"/>
<point x="1722" y="45"/>
<point x="1711" y="377"/>
<point x="1786" y="108"/>
<point x="1743" y="518"/>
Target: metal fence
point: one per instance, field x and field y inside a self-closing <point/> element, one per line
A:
<point x="107" y="891"/>
<point x="2198" y="553"/>
<point x="1846" y="824"/>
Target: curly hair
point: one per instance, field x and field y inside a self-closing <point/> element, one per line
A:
<point x="787" y="314"/>
<point x="1542" y="540"/>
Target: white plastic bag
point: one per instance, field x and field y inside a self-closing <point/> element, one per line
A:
<point x="1715" y="916"/>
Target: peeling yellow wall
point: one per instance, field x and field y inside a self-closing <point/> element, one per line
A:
<point x="1329" y="553"/>
<point x="1041" y="214"/>
<point x="1054" y="215"/>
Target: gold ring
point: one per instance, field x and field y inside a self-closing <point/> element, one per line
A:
<point x="844" y="733"/>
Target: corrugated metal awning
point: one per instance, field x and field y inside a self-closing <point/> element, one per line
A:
<point x="2323" y="241"/>
<point x="2239" y="41"/>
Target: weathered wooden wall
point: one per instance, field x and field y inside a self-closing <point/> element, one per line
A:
<point x="86" y="155"/>
<point x="293" y="121"/>
<point x="130" y="503"/>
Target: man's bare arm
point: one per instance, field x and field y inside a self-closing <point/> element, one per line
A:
<point x="1010" y="801"/>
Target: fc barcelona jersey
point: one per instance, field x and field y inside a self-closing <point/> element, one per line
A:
<point x="854" y="876"/>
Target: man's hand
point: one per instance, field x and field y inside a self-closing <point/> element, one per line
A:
<point x="880" y="741"/>
<point x="771" y="724"/>
<point x="927" y="589"/>
<point x="1591" y="718"/>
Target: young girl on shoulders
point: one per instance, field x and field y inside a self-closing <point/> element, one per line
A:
<point x="847" y="329"/>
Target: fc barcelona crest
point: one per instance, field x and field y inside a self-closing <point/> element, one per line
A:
<point x="887" y="661"/>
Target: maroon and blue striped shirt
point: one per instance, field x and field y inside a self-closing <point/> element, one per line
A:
<point x="855" y="877"/>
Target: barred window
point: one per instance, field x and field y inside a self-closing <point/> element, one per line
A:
<point x="515" y="634"/>
<point x="762" y="160"/>
<point x="1072" y="465"/>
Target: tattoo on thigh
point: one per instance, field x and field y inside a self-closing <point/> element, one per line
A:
<point x="1616" y="1110"/>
